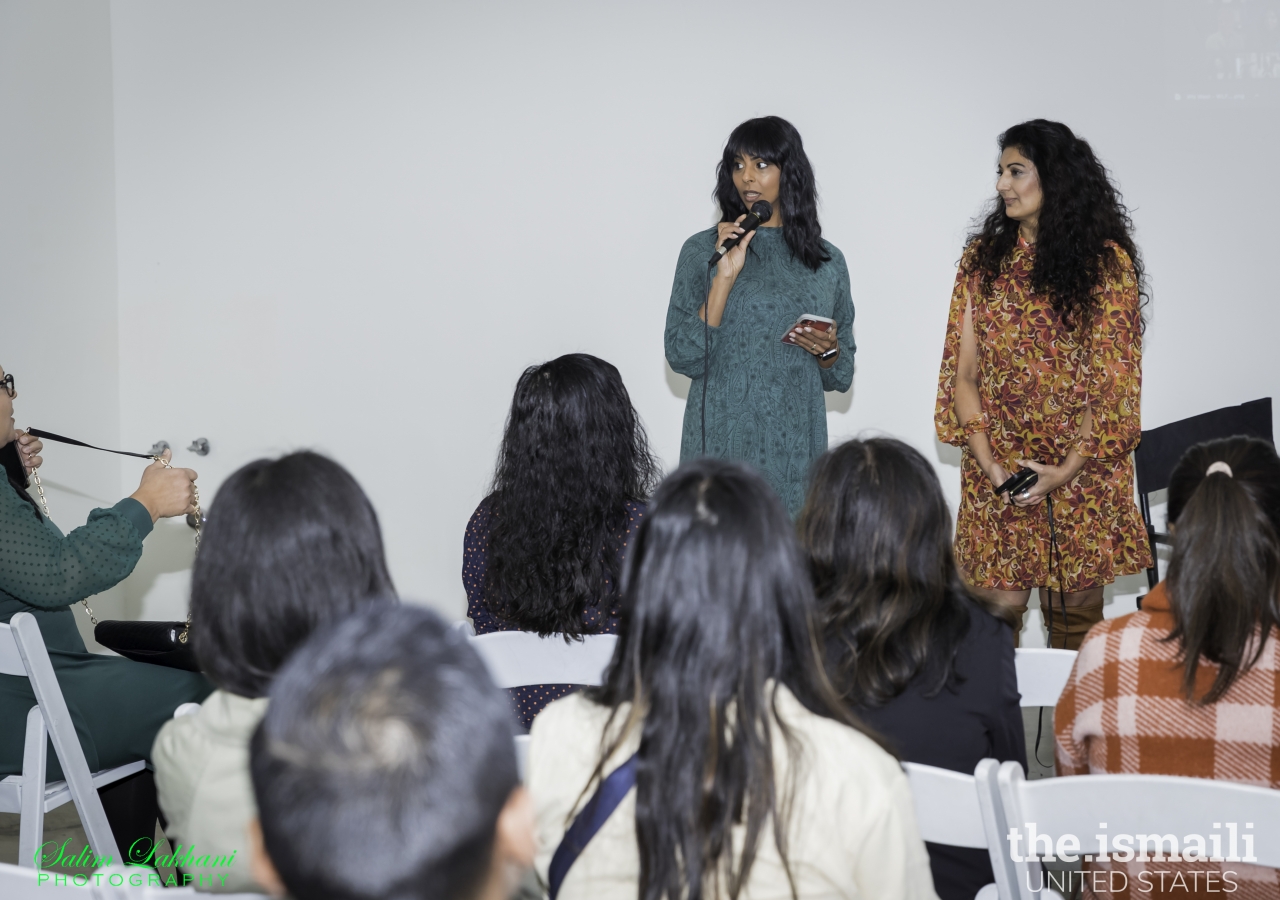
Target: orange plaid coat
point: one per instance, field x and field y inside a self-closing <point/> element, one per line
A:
<point x="1124" y="711"/>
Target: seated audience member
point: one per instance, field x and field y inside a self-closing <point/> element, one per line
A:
<point x="117" y="705"/>
<point x="911" y="652"/>
<point x="385" y="769"/>
<point x="1188" y="684"/>
<point x="749" y="777"/>
<point x="543" y="551"/>
<point x="291" y="544"/>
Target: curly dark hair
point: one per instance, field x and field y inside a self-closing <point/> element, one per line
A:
<point x="574" y="453"/>
<point x="777" y="142"/>
<point x="1082" y="210"/>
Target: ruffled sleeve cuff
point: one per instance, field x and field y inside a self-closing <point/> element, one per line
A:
<point x="136" y="514"/>
<point x="979" y="424"/>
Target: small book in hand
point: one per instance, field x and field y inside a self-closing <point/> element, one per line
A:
<point x="809" y="320"/>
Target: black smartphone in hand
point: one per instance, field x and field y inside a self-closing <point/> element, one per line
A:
<point x="1018" y="482"/>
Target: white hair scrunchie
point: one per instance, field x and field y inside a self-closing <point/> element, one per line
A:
<point x="1219" y="466"/>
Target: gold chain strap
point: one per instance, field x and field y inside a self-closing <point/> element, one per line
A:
<point x="182" y="638"/>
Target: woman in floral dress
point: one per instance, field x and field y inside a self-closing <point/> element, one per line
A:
<point x="1042" y="369"/>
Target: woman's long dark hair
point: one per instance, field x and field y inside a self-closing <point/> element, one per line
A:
<point x="891" y="601"/>
<point x="292" y="544"/>
<point x="1224" y="577"/>
<point x="777" y="142"/>
<point x="1082" y="210"/>
<point x="717" y="614"/>
<point x="573" y="455"/>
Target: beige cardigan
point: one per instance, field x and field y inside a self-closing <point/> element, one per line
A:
<point x="202" y="780"/>
<point x="852" y="833"/>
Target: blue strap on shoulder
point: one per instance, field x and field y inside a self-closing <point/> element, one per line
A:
<point x="586" y="823"/>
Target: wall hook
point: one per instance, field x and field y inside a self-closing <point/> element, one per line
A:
<point x="200" y="447"/>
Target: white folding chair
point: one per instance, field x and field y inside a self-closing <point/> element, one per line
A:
<point x="23" y="653"/>
<point x="518" y="658"/>
<point x="1154" y="806"/>
<point x="964" y="811"/>
<point x="1042" y="674"/>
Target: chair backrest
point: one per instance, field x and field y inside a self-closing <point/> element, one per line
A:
<point x="947" y="809"/>
<point x="10" y="658"/>
<point x="1157" y="813"/>
<point x="1042" y="674"/>
<point x="517" y="658"/>
<point x="961" y="810"/>
<point x="1161" y="448"/>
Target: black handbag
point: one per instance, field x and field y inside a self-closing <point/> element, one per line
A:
<point x="158" y="643"/>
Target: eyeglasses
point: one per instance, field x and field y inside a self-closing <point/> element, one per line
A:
<point x="9" y="389"/>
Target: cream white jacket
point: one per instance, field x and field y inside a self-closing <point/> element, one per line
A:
<point x="852" y="832"/>
<point x="202" y="779"/>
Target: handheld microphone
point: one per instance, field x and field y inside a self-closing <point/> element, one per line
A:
<point x="761" y="211"/>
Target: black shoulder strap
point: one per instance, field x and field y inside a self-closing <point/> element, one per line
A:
<point x="50" y="436"/>
<point x="585" y="825"/>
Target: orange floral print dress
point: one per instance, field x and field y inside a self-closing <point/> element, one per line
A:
<point x="1036" y="379"/>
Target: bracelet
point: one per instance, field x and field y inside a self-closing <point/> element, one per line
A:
<point x="830" y="353"/>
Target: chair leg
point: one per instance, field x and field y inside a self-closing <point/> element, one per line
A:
<point x="35" y="761"/>
<point x="62" y="732"/>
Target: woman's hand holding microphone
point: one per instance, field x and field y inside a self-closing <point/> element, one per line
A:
<point x="727" y="270"/>
<point x="732" y="262"/>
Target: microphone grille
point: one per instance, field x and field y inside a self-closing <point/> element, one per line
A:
<point x="762" y="210"/>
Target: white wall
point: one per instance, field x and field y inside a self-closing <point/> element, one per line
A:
<point x="57" y="245"/>
<point x="350" y="225"/>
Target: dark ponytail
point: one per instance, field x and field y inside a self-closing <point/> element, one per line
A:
<point x="1224" y="578"/>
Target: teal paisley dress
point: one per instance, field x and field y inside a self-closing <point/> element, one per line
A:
<point x="117" y="705"/>
<point x="765" y="401"/>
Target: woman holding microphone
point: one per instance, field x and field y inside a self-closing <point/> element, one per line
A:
<point x="755" y="398"/>
<point x="1041" y="370"/>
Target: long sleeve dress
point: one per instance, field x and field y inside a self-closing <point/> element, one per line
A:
<point x="117" y="705"/>
<point x="1036" y="378"/>
<point x="765" y="400"/>
<point x="979" y="711"/>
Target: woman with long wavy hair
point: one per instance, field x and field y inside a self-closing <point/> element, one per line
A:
<point x="750" y="777"/>
<point x="908" y="649"/>
<point x="754" y="397"/>
<point x="1042" y="369"/>
<point x="543" y="551"/>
